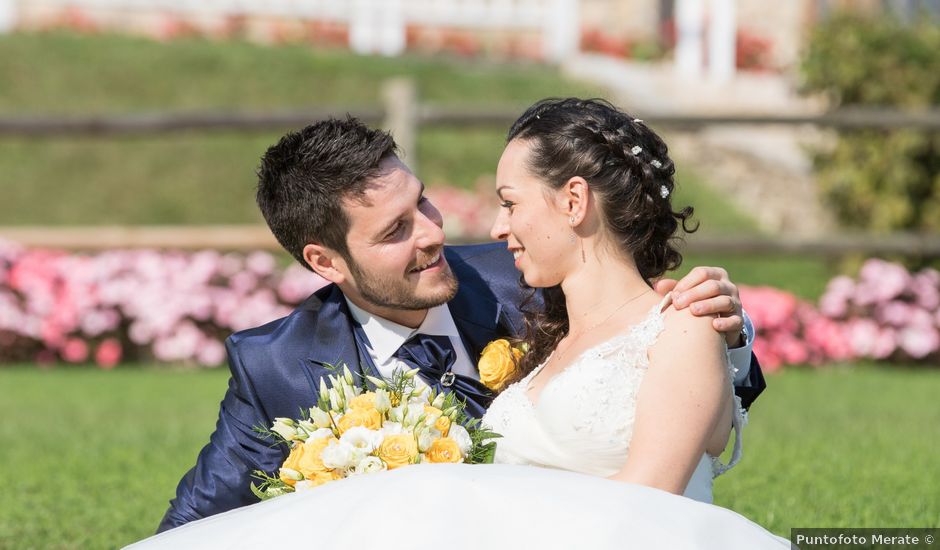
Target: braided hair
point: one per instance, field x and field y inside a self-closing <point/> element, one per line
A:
<point x="631" y="175"/>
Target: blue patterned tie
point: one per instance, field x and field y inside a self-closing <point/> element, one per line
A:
<point x="434" y="356"/>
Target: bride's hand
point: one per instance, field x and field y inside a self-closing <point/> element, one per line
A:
<point x="709" y="291"/>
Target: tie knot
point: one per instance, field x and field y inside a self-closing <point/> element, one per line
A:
<point x="433" y="354"/>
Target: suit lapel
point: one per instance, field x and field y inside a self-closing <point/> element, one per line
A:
<point x="334" y="341"/>
<point x="479" y="319"/>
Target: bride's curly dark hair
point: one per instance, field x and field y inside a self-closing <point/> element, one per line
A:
<point x="631" y="175"/>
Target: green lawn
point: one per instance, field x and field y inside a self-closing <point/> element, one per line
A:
<point x="209" y="178"/>
<point x="93" y="457"/>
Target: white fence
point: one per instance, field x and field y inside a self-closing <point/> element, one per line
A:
<point x="375" y="26"/>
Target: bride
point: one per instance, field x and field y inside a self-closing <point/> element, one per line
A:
<point x="622" y="402"/>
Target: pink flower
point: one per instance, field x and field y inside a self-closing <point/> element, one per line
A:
<point x="863" y="334"/>
<point x="919" y="341"/>
<point x="769" y="360"/>
<point x="894" y="313"/>
<point x="75" y="350"/>
<point x="835" y="301"/>
<point x="108" y="354"/>
<point x="261" y="264"/>
<point x="885" y="344"/>
<point x="880" y="281"/>
<point x="211" y="353"/>
<point x="925" y="287"/>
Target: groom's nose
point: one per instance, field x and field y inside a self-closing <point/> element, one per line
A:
<point x="430" y="233"/>
<point x="500" y="229"/>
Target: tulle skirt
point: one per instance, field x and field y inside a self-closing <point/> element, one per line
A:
<point x="463" y="507"/>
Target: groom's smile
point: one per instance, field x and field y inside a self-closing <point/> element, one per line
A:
<point x="396" y="266"/>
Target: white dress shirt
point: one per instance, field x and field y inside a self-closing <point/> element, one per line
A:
<point x="385" y="337"/>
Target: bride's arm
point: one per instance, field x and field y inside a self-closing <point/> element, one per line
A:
<point x="684" y="398"/>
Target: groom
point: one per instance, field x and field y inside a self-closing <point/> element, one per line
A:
<point x="338" y="199"/>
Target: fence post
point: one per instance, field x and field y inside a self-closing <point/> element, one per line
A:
<point x="561" y="32"/>
<point x="391" y="32"/>
<point x="689" y="51"/>
<point x="400" y="99"/>
<point x="7" y="15"/>
<point x="722" y="38"/>
<point x="362" y="27"/>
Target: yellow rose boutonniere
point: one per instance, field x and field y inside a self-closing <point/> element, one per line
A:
<point x="498" y="363"/>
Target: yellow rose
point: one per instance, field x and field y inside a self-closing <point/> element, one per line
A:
<point x="292" y="461"/>
<point x="498" y="364"/>
<point x="310" y="463"/>
<point x="398" y="450"/>
<point x="360" y="417"/>
<point x="319" y="478"/>
<point x="444" y="449"/>
<point x="364" y="402"/>
<point x="436" y="415"/>
<point x="442" y="425"/>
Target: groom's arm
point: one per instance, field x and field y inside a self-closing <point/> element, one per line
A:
<point x="221" y="478"/>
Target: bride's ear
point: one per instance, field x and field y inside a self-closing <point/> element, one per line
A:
<point x="575" y="196"/>
<point x="325" y="262"/>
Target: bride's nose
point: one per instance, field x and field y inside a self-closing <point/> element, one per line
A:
<point x="500" y="229"/>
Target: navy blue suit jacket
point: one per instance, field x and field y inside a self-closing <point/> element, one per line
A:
<point x="276" y="371"/>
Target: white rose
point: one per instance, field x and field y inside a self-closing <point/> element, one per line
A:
<point x="426" y="438"/>
<point x="438" y="401"/>
<point x="304" y="485"/>
<point x="336" y="401"/>
<point x="459" y="434"/>
<point x="285" y="428"/>
<point x="396" y="414"/>
<point x="348" y="393"/>
<point x="320" y="433"/>
<point x="413" y="414"/>
<point x="338" y="455"/>
<point x="321" y="418"/>
<point x="390" y="428"/>
<point x="382" y="401"/>
<point x="370" y="465"/>
<point x="362" y="439"/>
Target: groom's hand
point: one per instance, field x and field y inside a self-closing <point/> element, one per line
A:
<point x="708" y="291"/>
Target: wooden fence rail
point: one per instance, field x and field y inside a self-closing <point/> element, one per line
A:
<point x="425" y="115"/>
<point x="257" y="237"/>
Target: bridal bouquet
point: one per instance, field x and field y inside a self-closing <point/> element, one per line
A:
<point x="354" y="431"/>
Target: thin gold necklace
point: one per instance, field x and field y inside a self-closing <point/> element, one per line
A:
<point x="582" y="332"/>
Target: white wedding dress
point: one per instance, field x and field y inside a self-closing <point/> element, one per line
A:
<point x="548" y="489"/>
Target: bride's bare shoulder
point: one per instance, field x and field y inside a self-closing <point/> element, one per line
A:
<point x="685" y="335"/>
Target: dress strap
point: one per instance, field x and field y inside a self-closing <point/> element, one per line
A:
<point x="665" y="302"/>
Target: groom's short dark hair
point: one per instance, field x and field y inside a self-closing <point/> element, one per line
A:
<point x="305" y="176"/>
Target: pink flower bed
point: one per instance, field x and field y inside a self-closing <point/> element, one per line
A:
<point x="138" y="304"/>
<point x="887" y="313"/>
<point x="130" y="305"/>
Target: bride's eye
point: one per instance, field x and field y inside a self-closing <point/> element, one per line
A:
<point x="507" y="204"/>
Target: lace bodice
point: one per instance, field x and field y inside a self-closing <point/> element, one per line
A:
<point x="584" y="418"/>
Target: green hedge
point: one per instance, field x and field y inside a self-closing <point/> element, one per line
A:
<point x="881" y="180"/>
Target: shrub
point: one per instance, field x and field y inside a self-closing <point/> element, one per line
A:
<point x="882" y="180"/>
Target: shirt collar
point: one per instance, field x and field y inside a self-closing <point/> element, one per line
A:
<point x="385" y="337"/>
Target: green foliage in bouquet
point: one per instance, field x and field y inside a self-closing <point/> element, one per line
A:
<point x="880" y="180"/>
<point x="370" y="425"/>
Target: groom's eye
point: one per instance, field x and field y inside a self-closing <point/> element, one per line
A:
<point x="395" y="230"/>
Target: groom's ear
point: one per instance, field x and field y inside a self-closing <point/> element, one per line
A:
<point x="575" y="194"/>
<point x="325" y="262"/>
